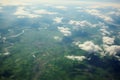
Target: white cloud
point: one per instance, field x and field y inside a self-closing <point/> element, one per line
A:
<point x="61" y="7"/>
<point x="43" y="11"/>
<point x="98" y="14"/>
<point x="111" y="50"/>
<point x="58" y="19"/>
<point x="79" y="58"/>
<point x="89" y="46"/>
<point x="22" y="13"/>
<point x="108" y="40"/>
<point x="81" y="24"/>
<point x="65" y="31"/>
<point x="108" y="48"/>
<point x="84" y="24"/>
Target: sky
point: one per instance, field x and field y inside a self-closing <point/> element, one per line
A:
<point x="15" y="2"/>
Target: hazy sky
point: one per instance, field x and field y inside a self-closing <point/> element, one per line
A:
<point x="16" y="2"/>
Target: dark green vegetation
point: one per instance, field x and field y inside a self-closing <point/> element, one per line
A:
<point x="29" y="50"/>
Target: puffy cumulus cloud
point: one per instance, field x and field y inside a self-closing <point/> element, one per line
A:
<point x="43" y="11"/>
<point x="111" y="50"/>
<point x="61" y="7"/>
<point x="89" y="46"/>
<point x="65" y="31"/>
<point x="108" y="48"/>
<point x="22" y="13"/>
<point x="104" y="50"/>
<point x="98" y="14"/>
<point x="108" y="40"/>
<point x="79" y="58"/>
<point x="58" y="19"/>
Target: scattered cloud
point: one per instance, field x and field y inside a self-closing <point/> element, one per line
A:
<point x="111" y="50"/>
<point x="22" y="13"/>
<point x="99" y="14"/>
<point x="84" y="24"/>
<point x="89" y="46"/>
<point x="104" y="50"/>
<point x="79" y="58"/>
<point x="108" y="40"/>
<point x="65" y="31"/>
<point x="81" y="24"/>
<point x="58" y="19"/>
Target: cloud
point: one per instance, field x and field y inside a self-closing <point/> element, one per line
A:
<point x="65" y="31"/>
<point x="103" y="50"/>
<point x="108" y="48"/>
<point x="58" y="19"/>
<point x="84" y="24"/>
<point x="79" y="58"/>
<point x="111" y="50"/>
<point x="89" y="46"/>
<point x="108" y="40"/>
<point x="81" y="24"/>
<point x="98" y="14"/>
<point x="22" y="13"/>
<point x="42" y="11"/>
<point x="61" y="7"/>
